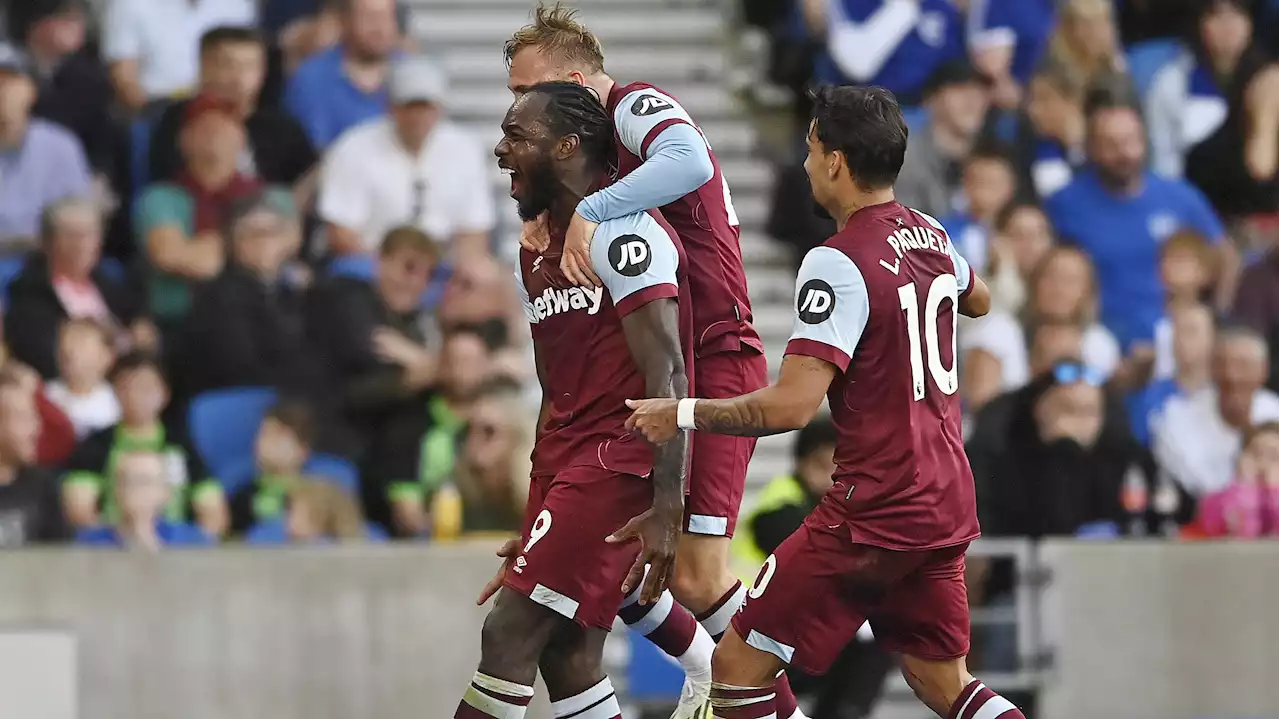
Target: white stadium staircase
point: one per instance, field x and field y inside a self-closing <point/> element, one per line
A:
<point x="680" y="46"/>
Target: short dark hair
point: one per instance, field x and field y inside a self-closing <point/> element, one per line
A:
<point x="136" y="360"/>
<point x="992" y="150"/>
<point x="1006" y="213"/>
<point x="821" y="432"/>
<point x="1111" y="91"/>
<point x="411" y="238"/>
<point x="867" y="126"/>
<point x="575" y="110"/>
<point x="297" y="417"/>
<point x="229" y="34"/>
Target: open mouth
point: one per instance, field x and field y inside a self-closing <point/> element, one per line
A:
<point x="515" y="178"/>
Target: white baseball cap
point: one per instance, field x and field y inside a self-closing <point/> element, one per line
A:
<point x="418" y="79"/>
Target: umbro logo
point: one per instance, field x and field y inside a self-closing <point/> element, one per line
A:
<point x="537" y="262"/>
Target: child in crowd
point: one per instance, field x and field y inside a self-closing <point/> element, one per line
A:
<point x="142" y="488"/>
<point x="143" y="394"/>
<point x="1187" y="271"/>
<point x="1250" y="507"/>
<point x="989" y="182"/>
<point x="85" y="355"/>
<point x="280" y="451"/>
<point x="315" y="512"/>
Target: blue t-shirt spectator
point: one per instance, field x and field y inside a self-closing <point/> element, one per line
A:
<point x="1122" y="234"/>
<point x="274" y="533"/>
<point x="896" y="44"/>
<point x="48" y="165"/>
<point x="1024" y="25"/>
<point x="326" y="102"/>
<point x="171" y="534"/>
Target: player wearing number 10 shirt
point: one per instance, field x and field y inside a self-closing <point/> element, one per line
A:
<point x="876" y="308"/>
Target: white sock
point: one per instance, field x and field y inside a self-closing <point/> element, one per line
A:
<point x="717" y="623"/>
<point x="497" y="698"/>
<point x="598" y="702"/>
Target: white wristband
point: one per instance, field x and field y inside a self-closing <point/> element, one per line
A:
<point x="684" y="413"/>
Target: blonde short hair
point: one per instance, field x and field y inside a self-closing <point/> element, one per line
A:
<point x="555" y="30"/>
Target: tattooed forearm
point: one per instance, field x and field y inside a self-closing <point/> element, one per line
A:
<point x="743" y="416"/>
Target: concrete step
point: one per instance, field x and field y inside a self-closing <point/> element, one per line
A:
<point x="747" y="176"/>
<point x="626" y="64"/>
<point x="759" y="249"/>
<point x="616" y="26"/>
<point x="704" y="101"/>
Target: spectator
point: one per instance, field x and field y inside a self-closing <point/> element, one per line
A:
<point x="281" y="449"/>
<point x="988" y="183"/>
<point x="180" y="223"/>
<point x="1250" y="507"/>
<point x="142" y="486"/>
<point x="57" y="435"/>
<point x="82" y="390"/>
<point x="412" y="168"/>
<point x="957" y="100"/>
<point x="894" y="44"/>
<point x="1007" y="39"/>
<point x="1063" y="292"/>
<point x="1255" y="306"/>
<point x="1054" y="129"/>
<point x="346" y="84"/>
<point x="86" y="489"/>
<point x="42" y="162"/>
<point x="492" y="470"/>
<point x="1086" y="41"/>
<point x="479" y="296"/>
<point x="246" y="327"/>
<point x="1197" y="438"/>
<point x="415" y="461"/>
<point x="1022" y="238"/>
<point x="1213" y="111"/>
<point x="29" y="508"/>
<point x="233" y="65"/>
<point x="152" y="49"/>
<point x="1186" y="271"/>
<point x="66" y="281"/>
<point x="316" y="513"/>
<point x="1191" y="339"/>
<point x="75" y="89"/>
<point x="1119" y="214"/>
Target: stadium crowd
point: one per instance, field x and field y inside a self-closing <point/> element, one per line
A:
<point x="254" y="290"/>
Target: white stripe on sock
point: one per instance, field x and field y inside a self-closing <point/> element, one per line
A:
<point x="994" y="707"/>
<point x="718" y="623"/>
<point x="972" y="694"/>
<point x="578" y="702"/>
<point x="493" y="706"/>
<point x="501" y="686"/>
<point x="656" y="615"/>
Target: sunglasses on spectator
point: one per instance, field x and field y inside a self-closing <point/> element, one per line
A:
<point x="1072" y="372"/>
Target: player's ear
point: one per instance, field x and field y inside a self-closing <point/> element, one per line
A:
<point x="835" y="161"/>
<point x="567" y="146"/>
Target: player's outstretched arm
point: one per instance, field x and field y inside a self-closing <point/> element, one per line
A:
<point x="976" y="301"/>
<point x="788" y="404"/>
<point x="653" y="336"/>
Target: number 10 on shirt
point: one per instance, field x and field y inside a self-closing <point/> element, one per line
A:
<point x="943" y="287"/>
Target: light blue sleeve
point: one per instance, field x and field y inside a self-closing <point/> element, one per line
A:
<point x="678" y="163"/>
<point x="832" y="306"/>
<point x="633" y="254"/>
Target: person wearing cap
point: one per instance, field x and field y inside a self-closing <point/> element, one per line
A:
<point x="414" y="167"/>
<point x="346" y="84"/>
<point x="75" y="89"/>
<point x="233" y="66"/>
<point x="40" y="162"/>
<point x="957" y="99"/>
<point x="179" y="223"/>
<point x="245" y="327"/>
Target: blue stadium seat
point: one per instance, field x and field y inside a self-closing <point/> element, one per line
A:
<point x="337" y="469"/>
<point x="223" y="424"/>
<point x="113" y="269"/>
<point x="9" y="269"/>
<point x="1148" y="58"/>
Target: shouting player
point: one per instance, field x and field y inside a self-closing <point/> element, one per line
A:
<point x="876" y="309"/>
<point x="594" y="485"/>
<point x="664" y="162"/>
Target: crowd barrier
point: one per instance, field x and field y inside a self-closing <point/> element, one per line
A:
<point x="1133" y="630"/>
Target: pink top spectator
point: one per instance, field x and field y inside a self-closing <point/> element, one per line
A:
<point x="1244" y="509"/>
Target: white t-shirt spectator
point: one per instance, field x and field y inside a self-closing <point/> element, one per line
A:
<point x="371" y="184"/>
<point x="163" y="37"/>
<point x="1196" y="446"/>
<point x="1001" y="335"/>
<point x="88" y="412"/>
